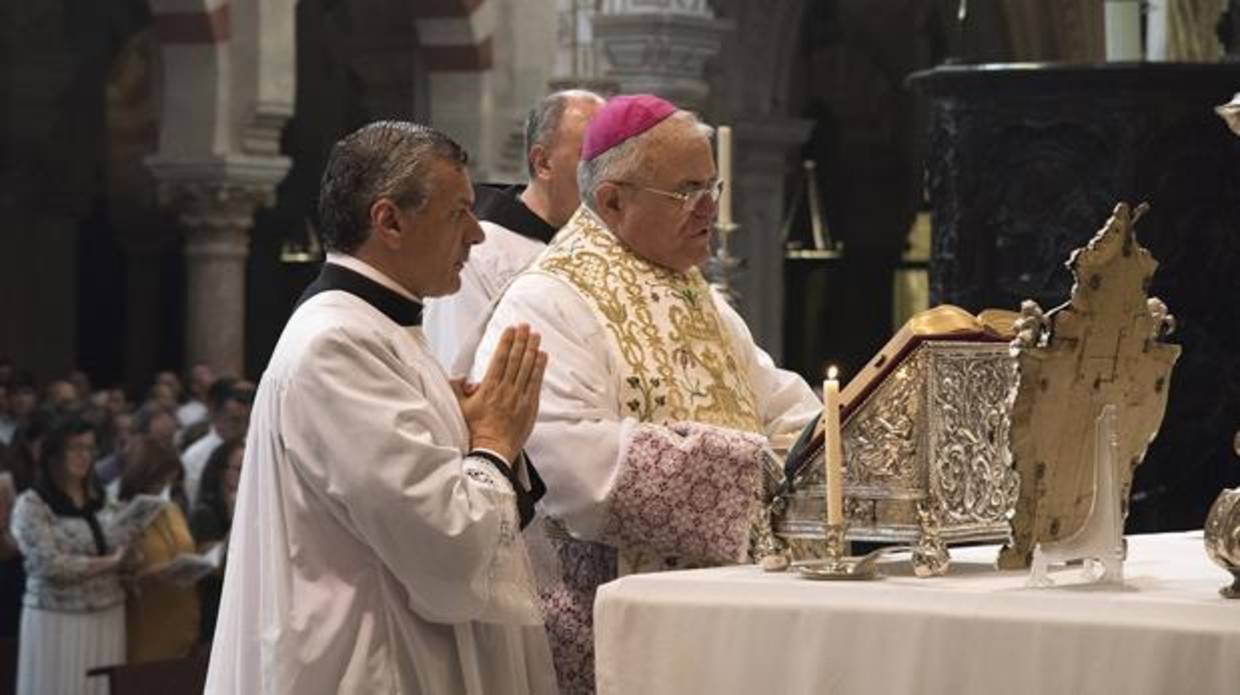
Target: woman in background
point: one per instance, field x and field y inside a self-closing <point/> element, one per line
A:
<point x="161" y="617"/>
<point x="19" y="463"/>
<point x="74" y="616"/>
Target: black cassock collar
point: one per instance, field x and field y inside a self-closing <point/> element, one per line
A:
<point x="503" y="206"/>
<point x="391" y="304"/>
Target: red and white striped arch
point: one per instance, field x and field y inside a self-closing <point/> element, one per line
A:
<point x="229" y="71"/>
<point x="456" y="35"/>
<point x="191" y="21"/>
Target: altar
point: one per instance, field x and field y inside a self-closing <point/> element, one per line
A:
<point x="977" y="630"/>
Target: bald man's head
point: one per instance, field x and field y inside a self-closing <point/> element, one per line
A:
<point x="553" y="134"/>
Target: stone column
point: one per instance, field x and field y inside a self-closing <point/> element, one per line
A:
<point x="660" y="47"/>
<point x="750" y="79"/>
<point x="462" y="104"/>
<point x="216" y="247"/>
<point x="230" y="72"/>
<point x="216" y="216"/>
<point x="577" y="56"/>
<point x="457" y="44"/>
<point x="763" y="148"/>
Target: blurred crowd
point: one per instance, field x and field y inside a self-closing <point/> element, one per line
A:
<point x="78" y="589"/>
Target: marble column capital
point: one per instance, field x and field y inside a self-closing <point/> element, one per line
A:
<point x="216" y="216"/>
<point x="203" y="205"/>
<point x="215" y="199"/>
<point x="217" y="181"/>
<point x="661" y="52"/>
<point x="700" y="8"/>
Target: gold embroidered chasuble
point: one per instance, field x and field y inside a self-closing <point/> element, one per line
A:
<point x="677" y="360"/>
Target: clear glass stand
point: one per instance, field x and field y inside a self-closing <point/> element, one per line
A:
<point x="1100" y="541"/>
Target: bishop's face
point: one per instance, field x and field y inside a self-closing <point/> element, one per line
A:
<point x="436" y="237"/>
<point x="661" y="228"/>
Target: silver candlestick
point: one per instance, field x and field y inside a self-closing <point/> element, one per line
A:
<point x="836" y="563"/>
<point x="722" y="267"/>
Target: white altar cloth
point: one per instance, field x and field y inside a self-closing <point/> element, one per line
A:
<point x="977" y="630"/>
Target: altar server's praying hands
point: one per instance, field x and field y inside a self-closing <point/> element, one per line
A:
<point x="501" y="409"/>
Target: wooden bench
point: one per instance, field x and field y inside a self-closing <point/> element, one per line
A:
<point x="171" y="676"/>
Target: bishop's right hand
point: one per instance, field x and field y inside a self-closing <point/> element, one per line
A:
<point x="501" y="409"/>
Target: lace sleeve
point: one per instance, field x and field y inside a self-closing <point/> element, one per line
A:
<point x="687" y="490"/>
<point x="512" y="591"/>
<point x="34" y="530"/>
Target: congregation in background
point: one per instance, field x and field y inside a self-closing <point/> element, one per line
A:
<point x="105" y="501"/>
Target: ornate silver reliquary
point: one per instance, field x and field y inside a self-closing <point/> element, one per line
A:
<point x="926" y="453"/>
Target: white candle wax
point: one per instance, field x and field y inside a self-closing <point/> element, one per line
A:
<point x="724" y="136"/>
<point x="833" y="451"/>
<point x="1122" y="19"/>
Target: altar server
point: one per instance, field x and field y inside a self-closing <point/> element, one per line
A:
<point x="657" y="405"/>
<point x="375" y="546"/>
<point x="518" y="221"/>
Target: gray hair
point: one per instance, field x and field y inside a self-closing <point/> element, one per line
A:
<point x="621" y="162"/>
<point x="542" y="125"/>
<point x="385" y="159"/>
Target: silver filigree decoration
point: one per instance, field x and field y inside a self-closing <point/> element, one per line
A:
<point x="882" y="444"/>
<point x="969" y="435"/>
<point x="936" y="432"/>
<point x="930" y="556"/>
<point x="763" y="543"/>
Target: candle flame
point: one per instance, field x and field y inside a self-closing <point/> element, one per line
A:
<point x="833" y="372"/>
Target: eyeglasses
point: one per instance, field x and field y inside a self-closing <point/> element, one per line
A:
<point x="689" y="199"/>
<point x="88" y="450"/>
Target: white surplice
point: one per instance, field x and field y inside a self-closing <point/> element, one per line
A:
<point x="453" y="323"/>
<point x="369" y="553"/>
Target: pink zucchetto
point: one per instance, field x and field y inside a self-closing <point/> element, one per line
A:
<point x="620" y="119"/>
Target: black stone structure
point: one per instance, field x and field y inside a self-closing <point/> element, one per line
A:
<point x="1025" y="163"/>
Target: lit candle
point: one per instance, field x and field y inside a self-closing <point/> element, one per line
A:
<point x="724" y="136"/>
<point x="833" y="451"/>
